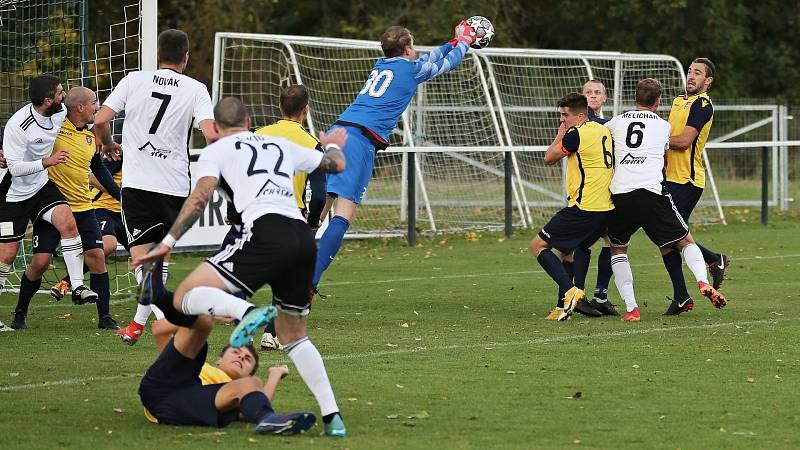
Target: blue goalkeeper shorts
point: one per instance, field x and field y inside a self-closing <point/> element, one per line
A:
<point x="360" y="154"/>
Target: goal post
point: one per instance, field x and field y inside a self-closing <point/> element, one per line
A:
<point x="497" y="100"/>
<point x="50" y="36"/>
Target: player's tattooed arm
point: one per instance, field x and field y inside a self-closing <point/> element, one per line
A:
<point x="333" y="160"/>
<point x="194" y="206"/>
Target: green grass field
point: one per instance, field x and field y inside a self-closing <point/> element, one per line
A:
<point x="445" y="346"/>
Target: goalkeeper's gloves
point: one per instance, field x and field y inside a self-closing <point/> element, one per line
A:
<point x="463" y="33"/>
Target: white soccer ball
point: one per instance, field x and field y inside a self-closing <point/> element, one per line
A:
<point x="484" y="31"/>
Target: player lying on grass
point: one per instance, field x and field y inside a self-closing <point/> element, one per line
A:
<point x="275" y="248"/>
<point x="373" y="115"/>
<point x="640" y="199"/>
<point x="180" y="388"/>
<point x="587" y="147"/>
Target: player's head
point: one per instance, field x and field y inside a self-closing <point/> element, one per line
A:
<point x="397" y="41"/>
<point x="173" y="48"/>
<point x="572" y="109"/>
<point x="294" y="102"/>
<point x="648" y="94"/>
<point x="700" y="76"/>
<point x="238" y="362"/>
<point x="595" y="93"/>
<point x="230" y="116"/>
<point x="45" y="91"/>
<point x="81" y="105"/>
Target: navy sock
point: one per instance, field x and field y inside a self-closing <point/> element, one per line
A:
<point x="329" y="245"/>
<point x="569" y="266"/>
<point x="674" y="265"/>
<point x="255" y="406"/>
<point x="270" y="328"/>
<point x="163" y="299"/>
<point x="27" y="289"/>
<point x="581" y="267"/>
<point x="552" y="265"/>
<point x="708" y="255"/>
<point x="604" y="273"/>
<point x="98" y="282"/>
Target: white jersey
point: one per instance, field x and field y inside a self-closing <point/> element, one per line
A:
<point x="27" y="139"/>
<point x="255" y="172"/>
<point x="640" y="140"/>
<point x="159" y="108"/>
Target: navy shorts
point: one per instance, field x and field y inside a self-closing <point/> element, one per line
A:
<point x="111" y="225"/>
<point x="360" y="154"/>
<point x="573" y="228"/>
<point x="685" y="197"/>
<point x="45" y="237"/>
<point x="173" y="393"/>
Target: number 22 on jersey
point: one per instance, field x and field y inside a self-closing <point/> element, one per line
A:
<point x="377" y="83"/>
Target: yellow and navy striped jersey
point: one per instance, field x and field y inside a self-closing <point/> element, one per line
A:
<point x="208" y="375"/>
<point x="686" y="166"/>
<point x="72" y="176"/>
<point x="102" y="199"/>
<point x="294" y="132"/>
<point x="589" y="166"/>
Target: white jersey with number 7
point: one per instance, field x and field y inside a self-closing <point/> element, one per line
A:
<point x="160" y="107"/>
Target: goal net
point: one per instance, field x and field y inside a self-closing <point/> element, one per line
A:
<point x="458" y="125"/>
<point x="50" y="36"/>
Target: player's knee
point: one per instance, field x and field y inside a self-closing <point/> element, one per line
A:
<point x="8" y="252"/>
<point x="38" y="266"/>
<point x="95" y="259"/>
<point x="109" y="245"/>
<point x="537" y="245"/>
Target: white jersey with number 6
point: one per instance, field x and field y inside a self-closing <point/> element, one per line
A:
<point x="640" y="139"/>
<point x="255" y="172"/>
<point x="159" y="106"/>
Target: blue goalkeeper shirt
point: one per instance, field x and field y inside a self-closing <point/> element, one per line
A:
<point x="392" y="84"/>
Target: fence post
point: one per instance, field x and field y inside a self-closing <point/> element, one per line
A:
<point x="412" y="199"/>
<point x="764" y="185"/>
<point x="509" y="229"/>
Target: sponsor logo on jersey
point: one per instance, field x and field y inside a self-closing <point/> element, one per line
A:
<point x="89" y="140"/>
<point x="161" y="153"/>
<point x="630" y="159"/>
<point x="270" y="188"/>
<point x="38" y="141"/>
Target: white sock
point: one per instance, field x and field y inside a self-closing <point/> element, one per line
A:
<point x="623" y="278"/>
<point x="157" y="312"/>
<point x="213" y="302"/>
<point x="309" y="365"/>
<point x="137" y="272"/>
<point x="695" y="262"/>
<point x="165" y="272"/>
<point x="142" y="314"/>
<point x="72" y="249"/>
<point x="5" y="269"/>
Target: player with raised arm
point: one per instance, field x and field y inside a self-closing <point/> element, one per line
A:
<point x="373" y="115"/>
<point x="691" y="118"/>
<point x="275" y="248"/>
<point x="587" y="147"/>
<point x="26" y="192"/>
<point x="72" y="180"/>
<point x="160" y="107"/>
<point x="640" y="200"/>
<point x="293" y="104"/>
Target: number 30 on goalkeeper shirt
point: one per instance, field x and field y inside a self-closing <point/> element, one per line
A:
<point x="378" y="83"/>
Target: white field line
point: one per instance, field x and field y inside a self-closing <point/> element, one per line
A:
<point x="522" y="272"/>
<point x="483" y="345"/>
<point x="120" y="301"/>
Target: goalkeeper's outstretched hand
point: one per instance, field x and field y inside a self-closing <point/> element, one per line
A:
<point x="464" y="33"/>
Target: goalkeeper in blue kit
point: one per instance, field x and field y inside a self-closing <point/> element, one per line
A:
<point x="373" y="115"/>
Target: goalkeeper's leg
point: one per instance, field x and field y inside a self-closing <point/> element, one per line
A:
<point x="331" y="240"/>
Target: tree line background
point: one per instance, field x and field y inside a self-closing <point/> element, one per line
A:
<point x="755" y="44"/>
